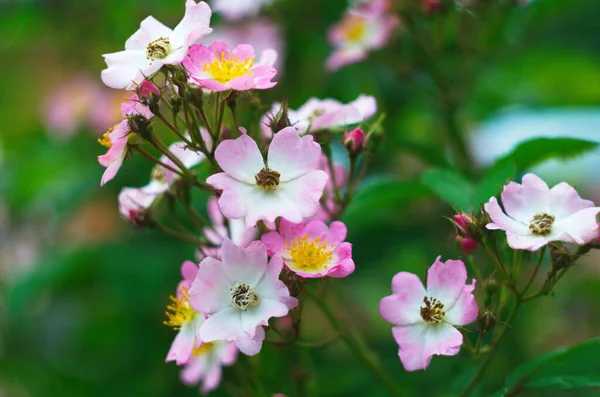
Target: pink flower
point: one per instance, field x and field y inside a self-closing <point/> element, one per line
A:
<point x="116" y="138"/>
<point x="240" y="292"/>
<point x="320" y="114"/>
<point x="182" y="317"/>
<point x="355" y="140"/>
<point x="218" y="69"/>
<point x="186" y="156"/>
<point x="424" y="319"/>
<point x="155" y="45"/>
<point x="262" y="33"/>
<point x="238" y="9"/>
<point x="312" y="250"/>
<point x="363" y="29"/>
<point x="134" y="202"/>
<point x="330" y="208"/>
<point x="465" y="243"/>
<point x="204" y="365"/>
<point x="288" y="185"/>
<point x="536" y="215"/>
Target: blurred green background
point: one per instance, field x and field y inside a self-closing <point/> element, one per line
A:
<point x="82" y="295"/>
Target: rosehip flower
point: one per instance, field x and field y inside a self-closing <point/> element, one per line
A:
<point x="288" y="185"/>
<point x="155" y="45"/>
<point x="240" y="292"/>
<point x="204" y="365"/>
<point x="362" y="29"/>
<point x="321" y="114"/>
<point x="218" y="69"/>
<point x="115" y="139"/>
<point x="312" y="250"/>
<point x="238" y="9"/>
<point x="424" y="319"/>
<point x="536" y="215"/>
<point x="182" y="317"/>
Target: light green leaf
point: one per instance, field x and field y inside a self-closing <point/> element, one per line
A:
<point x="451" y="187"/>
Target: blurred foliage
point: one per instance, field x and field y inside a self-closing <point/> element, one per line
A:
<point x="83" y="295"/>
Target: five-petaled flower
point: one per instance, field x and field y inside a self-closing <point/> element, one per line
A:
<point x="424" y="319"/>
<point x="312" y="249"/>
<point x="204" y="365"/>
<point x="155" y="45"/>
<point x="240" y="293"/>
<point x="536" y="215"/>
<point x="288" y="185"/>
<point x="218" y="69"/>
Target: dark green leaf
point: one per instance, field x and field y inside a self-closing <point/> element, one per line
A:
<point x="451" y="187"/>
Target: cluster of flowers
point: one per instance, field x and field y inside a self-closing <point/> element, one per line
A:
<point x="274" y="225"/>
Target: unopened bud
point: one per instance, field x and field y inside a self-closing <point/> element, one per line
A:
<point x="195" y="96"/>
<point x="280" y="120"/>
<point x="462" y="222"/>
<point x="466" y="244"/>
<point x="148" y="91"/>
<point x="487" y="319"/>
<point x="560" y="256"/>
<point x="176" y="105"/>
<point x="432" y="6"/>
<point x="355" y="140"/>
<point x="490" y="288"/>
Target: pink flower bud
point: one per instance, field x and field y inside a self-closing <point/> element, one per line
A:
<point x="467" y="245"/>
<point x="146" y="89"/>
<point x="431" y="6"/>
<point x="355" y="140"/>
<point x="462" y="221"/>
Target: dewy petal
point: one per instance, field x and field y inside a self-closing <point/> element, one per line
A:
<point x="193" y="26"/>
<point x="291" y="155"/>
<point x="419" y="342"/>
<point x="210" y="290"/>
<point x="240" y="158"/>
<point x="403" y="307"/>
<point x="580" y="227"/>
<point x="501" y="221"/>
<point x="465" y="310"/>
<point x="446" y="280"/>
<point x="564" y="201"/>
<point x="244" y="265"/>
<point x="225" y="325"/>
<point x="522" y="202"/>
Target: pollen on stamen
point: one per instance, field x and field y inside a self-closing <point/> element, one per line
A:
<point x="225" y="68"/>
<point x="179" y="312"/>
<point x="105" y="139"/>
<point x="433" y="311"/>
<point x="310" y="255"/>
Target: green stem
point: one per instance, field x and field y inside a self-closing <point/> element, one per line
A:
<point x="362" y="353"/>
<point x="535" y="271"/>
<point x="157" y="161"/>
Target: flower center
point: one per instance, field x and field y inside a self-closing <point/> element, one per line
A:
<point x="310" y="255"/>
<point x="179" y="312"/>
<point x="105" y="139"/>
<point x="205" y="348"/>
<point x="541" y="224"/>
<point x="158" y="173"/>
<point x="242" y="297"/>
<point x="158" y="49"/>
<point x="226" y="67"/>
<point x="267" y="179"/>
<point x="354" y="28"/>
<point x="433" y="311"/>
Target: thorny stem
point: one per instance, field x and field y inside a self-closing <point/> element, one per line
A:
<point x="362" y="353"/>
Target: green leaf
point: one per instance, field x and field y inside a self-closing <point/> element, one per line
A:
<point x="569" y="368"/>
<point x="451" y="187"/>
<point x="535" y="151"/>
<point x="493" y="180"/>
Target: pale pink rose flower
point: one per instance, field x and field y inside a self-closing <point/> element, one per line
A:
<point x="312" y="249"/>
<point x="204" y="365"/>
<point x="216" y="68"/>
<point x="288" y="185"/>
<point x="238" y="9"/>
<point x="425" y="319"/>
<point x="262" y="33"/>
<point x="320" y="114"/>
<point x="536" y="215"/>
<point x="240" y="293"/>
<point x="364" y="28"/>
<point x="155" y="45"/>
<point x="116" y="138"/>
<point x="182" y="317"/>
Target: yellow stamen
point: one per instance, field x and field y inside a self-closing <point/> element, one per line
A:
<point x="224" y="68"/>
<point x="354" y="28"/>
<point x="105" y="140"/>
<point x="179" y="312"/>
<point x="310" y="254"/>
<point x="205" y="348"/>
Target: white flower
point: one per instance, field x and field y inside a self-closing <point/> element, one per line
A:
<point x="155" y="45"/>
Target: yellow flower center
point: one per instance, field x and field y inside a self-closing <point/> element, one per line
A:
<point x="105" y="140"/>
<point x="179" y="312"/>
<point x="205" y="348"/>
<point x="224" y="68"/>
<point x="354" y="28"/>
<point x="433" y="311"/>
<point x="310" y="254"/>
<point x="158" y="49"/>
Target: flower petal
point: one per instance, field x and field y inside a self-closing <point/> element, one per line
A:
<point x="522" y="202"/>
<point x="580" y="227"/>
<point x="251" y="346"/>
<point x="224" y="325"/>
<point x="403" y="307"/>
<point x="501" y="221"/>
<point x="446" y="280"/>
<point x="182" y="346"/>
<point x="305" y="192"/>
<point x="244" y="265"/>
<point x="193" y="26"/>
<point x="210" y="290"/>
<point x="240" y="158"/>
<point x="465" y="310"/>
<point x="291" y="155"/>
<point x="564" y="201"/>
<point x="236" y="195"/>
